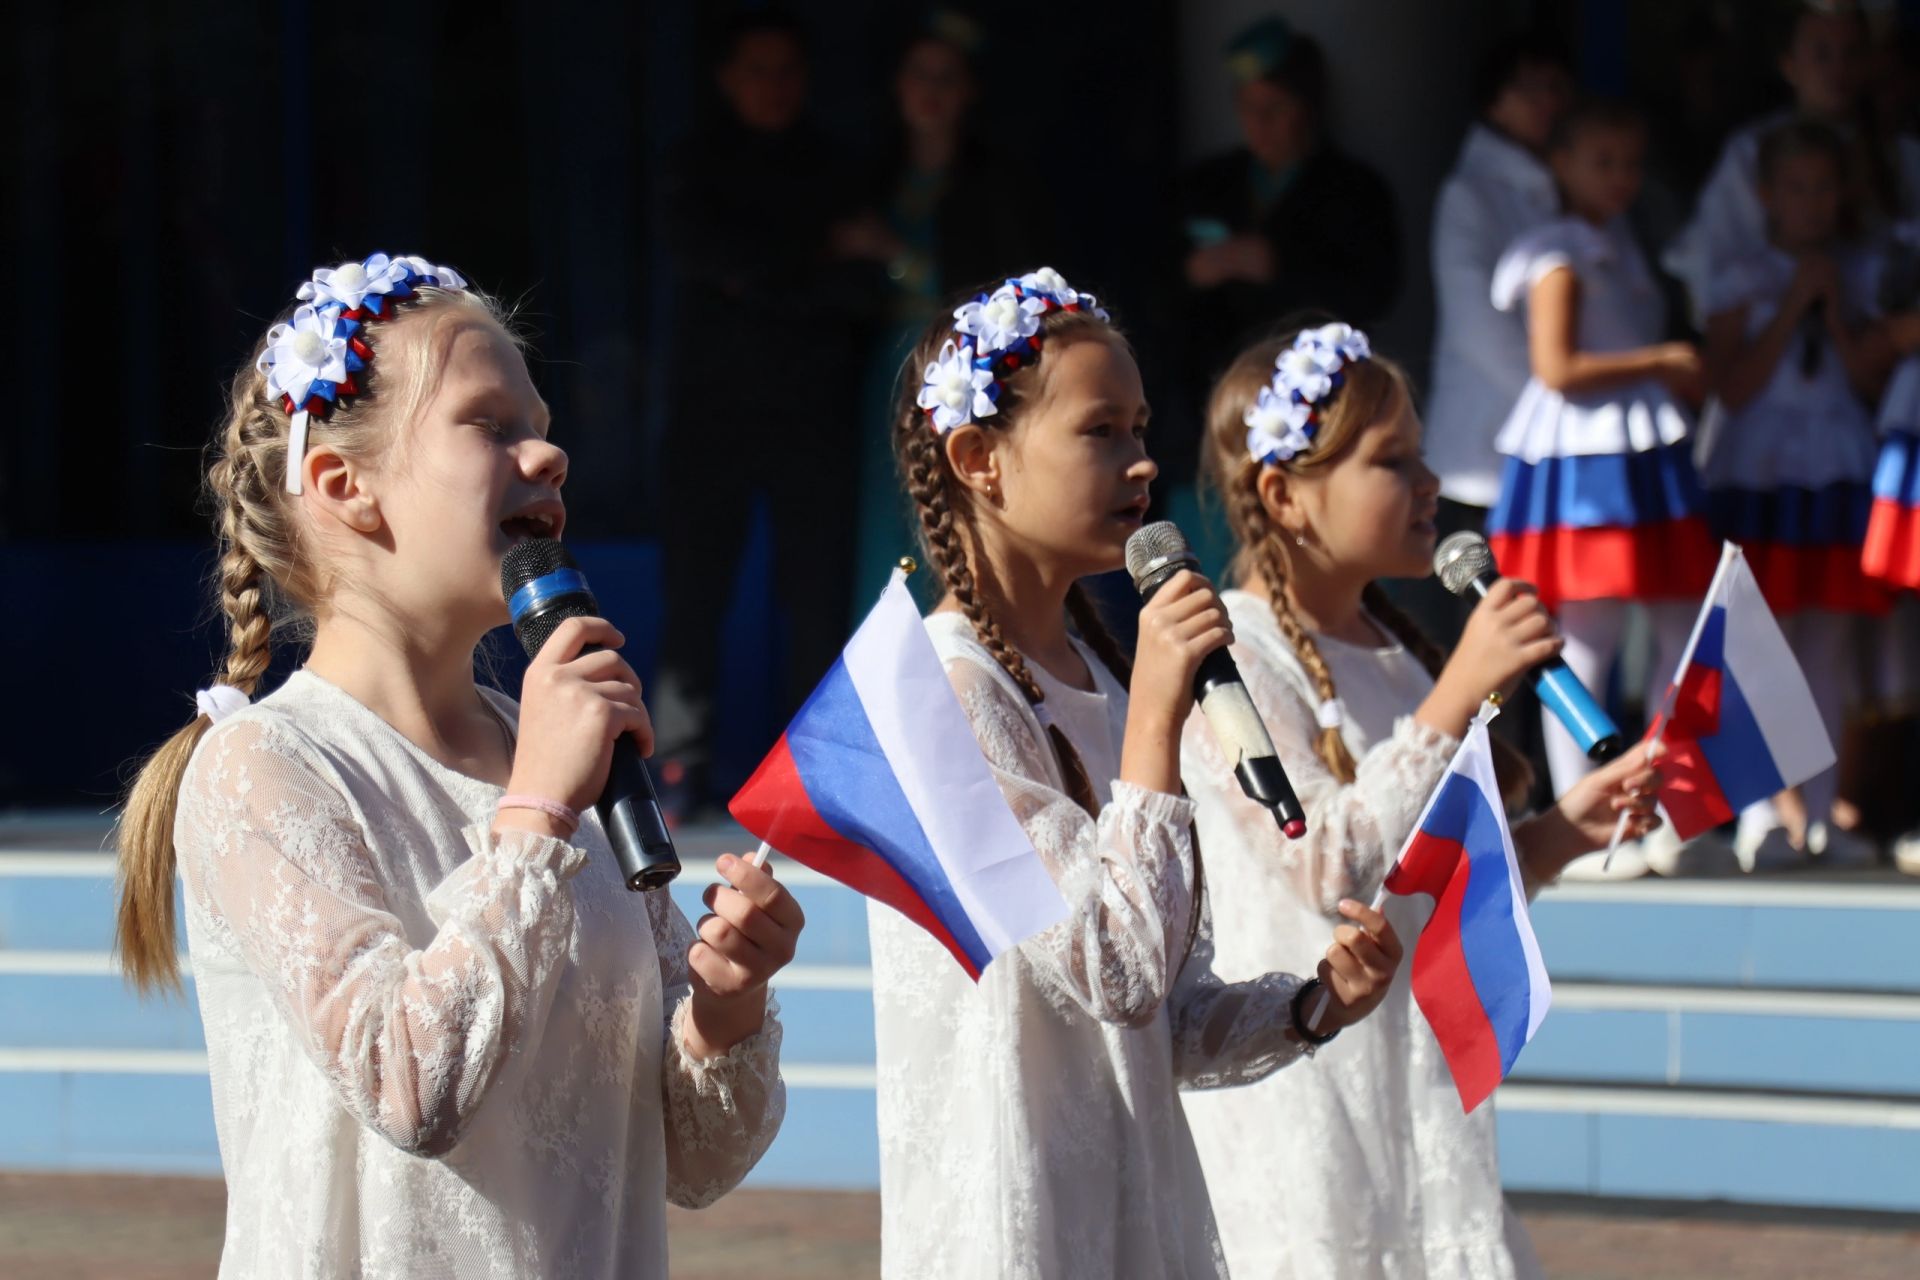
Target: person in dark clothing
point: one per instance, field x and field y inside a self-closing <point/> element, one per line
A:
<point x="765" y="311"/>
<point x="1284" y="225"/>
<point x="943" y="213"/>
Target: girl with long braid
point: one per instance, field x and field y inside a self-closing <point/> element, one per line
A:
<point x="1364" y="1166"/>
<point x="444" y="1041"/>
<point x="1030" y="1125"/>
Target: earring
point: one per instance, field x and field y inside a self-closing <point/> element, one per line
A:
<point x="1299" y="539"/>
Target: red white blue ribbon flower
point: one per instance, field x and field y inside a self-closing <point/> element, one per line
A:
<point x="996" y="334"/>
<point x="1285" y="416"/>
<point x="320" y="355"/>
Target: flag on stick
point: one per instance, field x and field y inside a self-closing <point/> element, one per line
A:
<point x="880" y="784"/>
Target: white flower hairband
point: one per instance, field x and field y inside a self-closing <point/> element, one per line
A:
<point x="1285" y="417"/>
<point x="995" y="334"/>
<point x="319" y="355"/>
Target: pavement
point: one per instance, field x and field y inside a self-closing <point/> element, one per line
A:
<point x="60" y="1226"/>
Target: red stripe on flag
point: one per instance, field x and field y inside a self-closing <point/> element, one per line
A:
<point x="1688" y="787"/>
<point x="1441" y="982"/>
<point x="1892" y="549"/>
<point x="774" y="806"/>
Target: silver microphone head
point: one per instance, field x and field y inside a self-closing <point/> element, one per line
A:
<point x="1460" y="559"/>
<point x="1156" y="552"/>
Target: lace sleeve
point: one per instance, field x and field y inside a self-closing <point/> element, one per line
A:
<point x="1127" y="877"/>
<point x="721" y="1113"/>
<point x="1228" y="1033"/>
<point x="410" y="1039"/>
<point x="1354" y="831"/>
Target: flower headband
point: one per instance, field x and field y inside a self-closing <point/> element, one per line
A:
<point x="995" y="334"/>
<point x="1283" y="421"/>
<point x="319" y="355"/>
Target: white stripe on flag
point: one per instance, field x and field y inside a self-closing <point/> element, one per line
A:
<point x="1761" y="662"/>
<point x="902" y="686"/>
<point x="1475" y="761"/>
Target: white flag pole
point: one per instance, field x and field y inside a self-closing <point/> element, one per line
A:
<point x="1729" y="553"/>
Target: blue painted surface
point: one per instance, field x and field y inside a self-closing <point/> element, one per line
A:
<point x="1807" y="947"/>
<point x="1546" y="1151"/>
<point x="830" y="1139"/>
<point x="72" y="1011"/>
<point x="107" y="1121"/>
<point x="1708" y="1159"/>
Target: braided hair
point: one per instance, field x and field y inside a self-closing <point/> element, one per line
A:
<point x="1372" y="389"/>
<point x="945" y="511"/>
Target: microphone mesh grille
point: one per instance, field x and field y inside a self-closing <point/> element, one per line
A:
<point x="526" y="561"/>
<point x="1154" y="545"/>
<point x="1461" y="558"/>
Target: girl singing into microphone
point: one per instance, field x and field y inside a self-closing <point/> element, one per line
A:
<point x="1029" y="1125"/>
<point x="444" y="1040"/>
<point x="1363" y="1166"/>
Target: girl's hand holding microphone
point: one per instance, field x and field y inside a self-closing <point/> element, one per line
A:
<point x="573" y="706"/>
<point x="1508" y="634"/>
<point x="1183" y="623"/>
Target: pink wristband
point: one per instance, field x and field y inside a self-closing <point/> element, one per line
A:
<point x="552" y="808"/>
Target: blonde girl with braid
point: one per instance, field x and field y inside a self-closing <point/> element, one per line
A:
<point x="443" y="1039"/>
<point x="1364" y="1166"/>
<point x="1030" y="1124"/>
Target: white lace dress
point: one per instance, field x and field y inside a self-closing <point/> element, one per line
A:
<point x="1360" y="1166"/>
<point x="1030" y="1126"/>
<point x="435" y="1053"/>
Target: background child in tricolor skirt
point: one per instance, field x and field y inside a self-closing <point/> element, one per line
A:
<point x="1599" y="505"/>
<point x="1363" y="1165"/>
<point x="1788" y="448"/>
<point x="1029" y="1125"/>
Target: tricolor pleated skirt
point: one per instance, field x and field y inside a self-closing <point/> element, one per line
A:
<point x="1605" y="526"/>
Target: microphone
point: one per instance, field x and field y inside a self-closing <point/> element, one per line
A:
<point x="544" y="587"/>
<point x="1464" y="563"/>
<point x="1155" y="553"/>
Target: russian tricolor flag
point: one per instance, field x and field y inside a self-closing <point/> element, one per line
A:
<point x="1477" y="972"/>
<point x="1739" y="722"/>
<point x="880" y="784"/>
<point x="1891" y="552"/>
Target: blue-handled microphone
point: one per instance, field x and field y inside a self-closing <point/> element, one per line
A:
<point x="544" y="587"/>
<point x="1464" y="563"/>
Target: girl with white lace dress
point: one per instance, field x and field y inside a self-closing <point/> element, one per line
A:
<point x="1599" y="504"/>
<point x="1797" y="355"/>
<point x="443" y="1038"/>
<point x="1362" y="1166"/>
<point x="1029" y="1125"/>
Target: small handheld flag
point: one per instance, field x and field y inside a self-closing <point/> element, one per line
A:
<point x="1738" y="720"/>
<point x="1477" y="972"/>
<point x="879" y="783"/>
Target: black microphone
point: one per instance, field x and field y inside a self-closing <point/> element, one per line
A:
<point x="544" y="587"/>
<point x="1155" y="553"/>
<point x="1464" y="563"/>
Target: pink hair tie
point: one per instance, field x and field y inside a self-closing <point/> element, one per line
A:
<point x="552" y="808"/>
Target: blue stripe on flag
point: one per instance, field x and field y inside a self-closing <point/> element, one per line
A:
<point x="1489" y="936"/>
<point x="1737" y="753"/>
<point x="1896" y="476"/>
<point x="853" y="789"/>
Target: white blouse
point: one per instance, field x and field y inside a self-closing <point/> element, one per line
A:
<point x="1360" y="1166"/>
<point x="436" y="1052"/>
<point x="1029" y="1125"/>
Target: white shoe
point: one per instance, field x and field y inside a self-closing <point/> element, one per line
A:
<point x="1906" y="853"/>
<point x="1707" y="854"/>
<point x="1837" y="848"/>
<point x="1768" y="850"/>
<point x="1628" y="864"/>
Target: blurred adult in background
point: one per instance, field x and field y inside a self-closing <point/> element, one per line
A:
<point x="1826" y="59"/>
<point x="1284" y="223"/>
<point x="945" y="210"/>
<point x="1499" y="187"/>
<point x="764" y="336"/>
